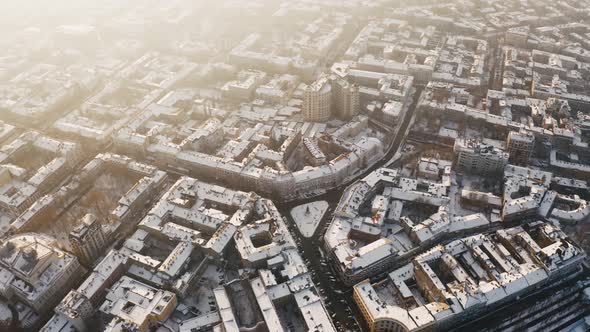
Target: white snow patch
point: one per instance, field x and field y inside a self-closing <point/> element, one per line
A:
<point x="5" y="313"/>
<point x="308" y="216"/>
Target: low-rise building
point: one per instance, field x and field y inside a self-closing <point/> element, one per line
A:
<point x="132" y="305"/>
<point x="36" y="272"/>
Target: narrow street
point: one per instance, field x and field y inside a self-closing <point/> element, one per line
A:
<point x="338" y="298"/>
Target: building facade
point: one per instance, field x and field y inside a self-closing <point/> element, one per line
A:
<point x="476" y="157"/>
<point x="317" y="101"/>
<point x="345" y="99"/>
<point x="88" y="239"/>
<point x="520" y="146"/>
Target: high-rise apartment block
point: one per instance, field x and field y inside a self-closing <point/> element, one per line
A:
<point x="345" y="99"/>
<point x="520" y="147"/>
<point x="317" y="101"/>
<point x="477" y="157"/>
<point x="88" y="240"/>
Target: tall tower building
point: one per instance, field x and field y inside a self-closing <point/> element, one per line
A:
<point x="317" y="100"/>
<point x="520" y="146"/>
<point x="345" y="98"/>
<point x="88" y="240"/>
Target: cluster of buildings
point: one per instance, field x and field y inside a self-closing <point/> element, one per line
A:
<point x="297" y="41"/>
<point x="386" y="218"/>
<point x="467" y="277"/>
<point x="134" y="87"/>
<point x="518" y="124"/>
<point x="266" y="156"/>
<point x="72" y="202"/>
<point x="194" y="226"/>
<point x="530" y="193"/>
<point x="492" y="19"/>
<point x="398" y="47"/>
<point x="41" y="93"/>
<point x="511" y="121"/>
<point x="112" y="242"/>
<point x="139" y="168"/>
<point x="24" y="181"/>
